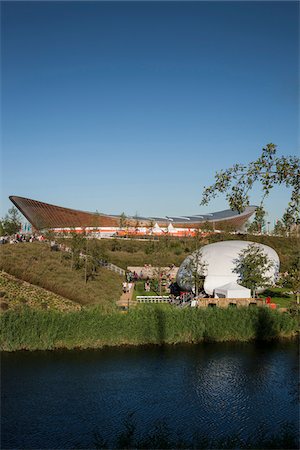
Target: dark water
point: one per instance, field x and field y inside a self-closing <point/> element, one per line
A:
<point x="60" y="399"/>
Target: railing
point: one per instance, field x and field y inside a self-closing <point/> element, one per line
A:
<point x="112" y="267"/>
<point x="152" y="298"/>
<point x="101" y="262"/>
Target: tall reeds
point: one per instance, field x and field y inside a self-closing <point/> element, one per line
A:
<point x="149" y="324"/>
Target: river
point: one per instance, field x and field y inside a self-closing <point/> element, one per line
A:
<point x="62" y="399"/>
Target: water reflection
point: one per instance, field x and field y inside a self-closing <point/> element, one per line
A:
<point x="53" y="399"/>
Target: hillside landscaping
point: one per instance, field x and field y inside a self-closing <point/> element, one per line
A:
<point x="38" y="265"/>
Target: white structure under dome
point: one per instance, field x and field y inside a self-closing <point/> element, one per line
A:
<point x="220" y="259"/>
<point x="232" y="290"/>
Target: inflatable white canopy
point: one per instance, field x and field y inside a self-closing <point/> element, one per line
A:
<point x="220" y="259"/>
<point x="232" y="290"/>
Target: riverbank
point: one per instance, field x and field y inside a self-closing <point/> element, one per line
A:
<point x="28" y="329"/>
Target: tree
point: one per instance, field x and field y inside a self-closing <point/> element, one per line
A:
<point x="279" y="229"/>
<point x="151" y="225"/>
<point x="11" y="223"/>
<point x="2" y="229"/>
<point x="77" y="245"/>
<point x="194" y="271"/>
<point x="252" y="267"/>
<point x="207" y="226"/>
<point x="123" y="222"/>
<point x="259" y="221"/>
<point x="292" y="279"/>
<point x="269" y="170"/>
<point x="95" y="255"/>
<point x="137" y="223"/>
<point x="158" y="270"/>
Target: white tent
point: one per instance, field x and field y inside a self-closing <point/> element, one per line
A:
<point x="171" y="229"/>
<point x="232" y="290"/>
<point x="156" y="229"/>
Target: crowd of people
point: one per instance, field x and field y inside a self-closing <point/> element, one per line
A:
<point x="19" y="238"/>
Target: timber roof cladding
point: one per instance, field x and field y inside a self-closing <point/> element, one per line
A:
<point x="44" y="215"/>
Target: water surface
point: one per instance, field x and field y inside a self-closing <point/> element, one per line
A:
<point x="60" y="399"/>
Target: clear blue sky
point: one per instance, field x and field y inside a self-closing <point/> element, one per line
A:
<point x="133" y="106"/>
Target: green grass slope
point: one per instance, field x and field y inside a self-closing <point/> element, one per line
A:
<point x="168" y="250"/>
<point x="15" y="294"/>
<point x="36" y="264"/>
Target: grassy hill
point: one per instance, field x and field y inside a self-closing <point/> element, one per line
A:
<point x="36" y="264"/>
<point x="16" y="294"/>
<point x="46" y="325"/>
<point x="168" y="250"/>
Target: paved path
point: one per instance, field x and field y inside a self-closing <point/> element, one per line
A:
<point x="126" y="297"/>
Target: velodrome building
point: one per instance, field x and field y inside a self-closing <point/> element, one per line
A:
<point x="44" y="216"/>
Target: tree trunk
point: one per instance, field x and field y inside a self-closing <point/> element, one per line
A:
<point x="85" y="269"/>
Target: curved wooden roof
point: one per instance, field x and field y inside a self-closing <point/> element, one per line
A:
<point x="44" y="215"/>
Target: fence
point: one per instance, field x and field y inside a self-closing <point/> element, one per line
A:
<point x="101" y="262"/>
<point x="152" y="298"/>
<point x="112" y="267"/>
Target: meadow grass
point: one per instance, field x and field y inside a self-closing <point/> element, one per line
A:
<point x="36" y="264"/>
<point x="139" y="289"/>
<point x="172" y="250"/>
<point x="15" y="293"/>
<point x="146" y="324"/>
<point x="281" y="296"/>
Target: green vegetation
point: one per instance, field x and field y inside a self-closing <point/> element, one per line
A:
<point x="172" y="250"/>
<point x="37" y="264"/>
<point x="35" y="319"/>
<point x="139" y="290"/>
<point x="259" y="221"/>
<point x="283" y="297"/>
<point x="252" y="265"/>
<point x="268" y="170"/>
<point x="34" y="329"/>
<point x="15" y="293"/>
<point x="11" y="223"/>
<point x="160" y="436"/>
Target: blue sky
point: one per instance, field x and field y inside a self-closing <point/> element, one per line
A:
<point x="133" y="106"/>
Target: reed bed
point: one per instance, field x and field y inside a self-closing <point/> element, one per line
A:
<point x="148" y="324"/>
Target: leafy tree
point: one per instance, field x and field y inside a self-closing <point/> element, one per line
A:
<point x="2" y="229"/>
<point x="197" y="237"/>
<point x="269" y="170"/>
<point x="77" y="246"/>
<point x="95" y="254"/>
<point x="49" y="235"/>
<point x="292" y="279"/>
<point x="158" y="269"/>
<point x="11" y="223"/>
<point x="252" y="266"/>
<point x="137" y="222"/>
<point x="96" y="217"/>
<point x="207" y="226"/>
<point x="259" y="221"/>
<point x="194" y="271"/>
<point x="279" y="229"/>
<point x="151" y="226"/>
<point x="123" y="220"/>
